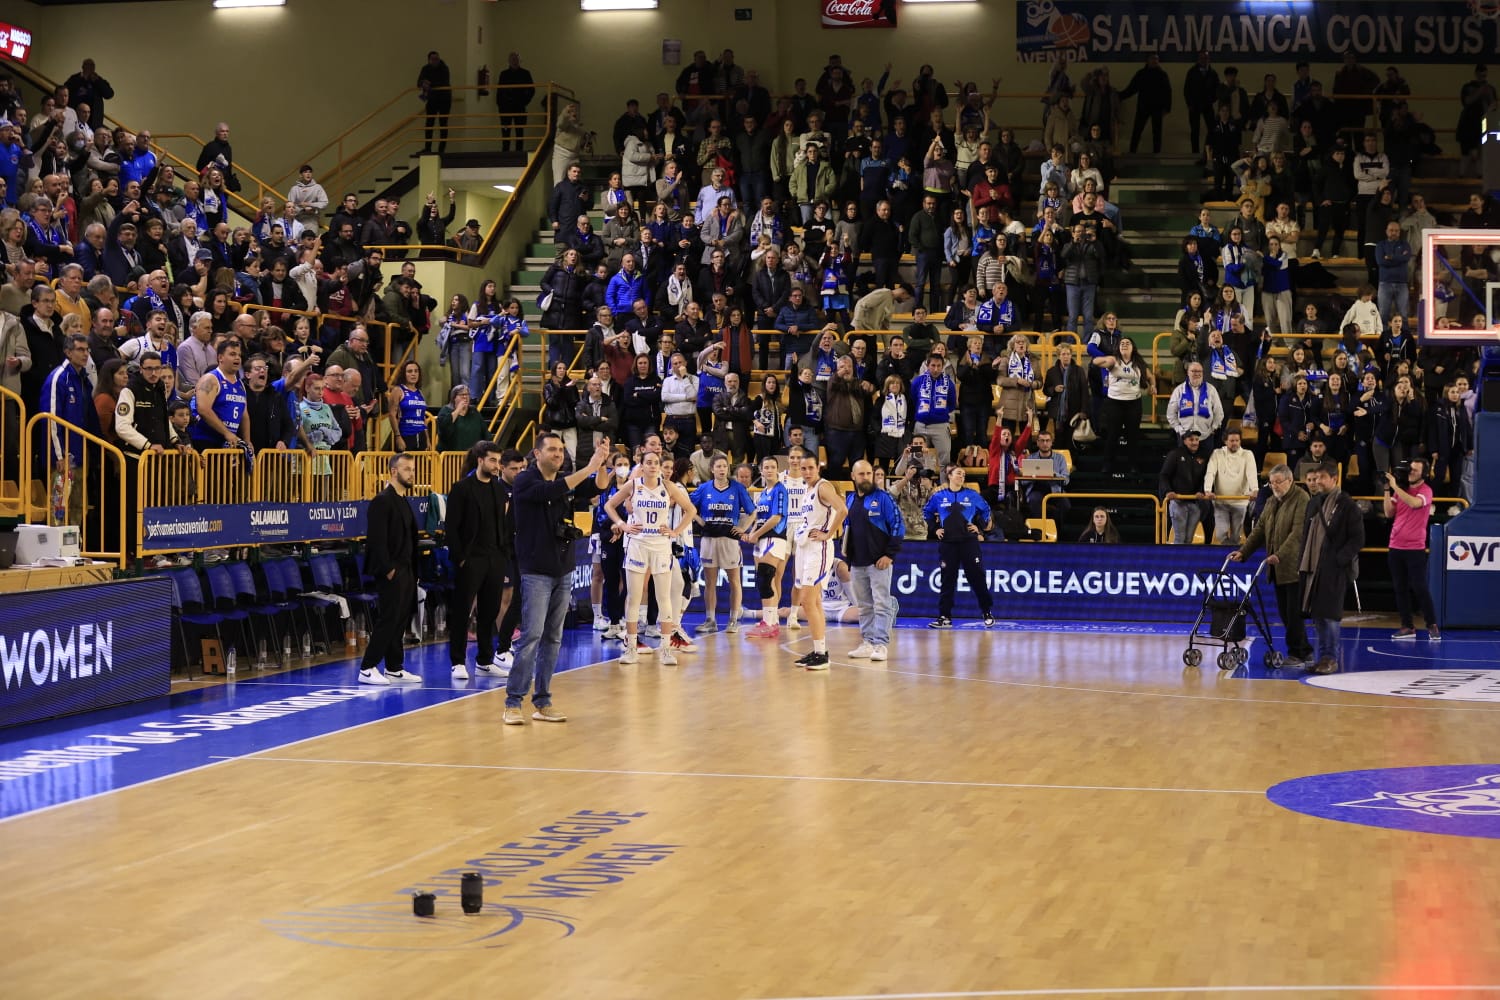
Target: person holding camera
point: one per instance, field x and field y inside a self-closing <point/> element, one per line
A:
<point x="1408" y="501"/>
<point x="541" y="506"/>
<point x="916" y="482"/>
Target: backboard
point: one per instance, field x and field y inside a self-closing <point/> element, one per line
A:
<point x="1460" y="286"/>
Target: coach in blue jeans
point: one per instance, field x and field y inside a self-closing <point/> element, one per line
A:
<point x="542" y="505"/>
<point x="872" y="540"/>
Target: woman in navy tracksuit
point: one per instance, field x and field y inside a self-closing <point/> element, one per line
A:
<point x="958" y="517"/>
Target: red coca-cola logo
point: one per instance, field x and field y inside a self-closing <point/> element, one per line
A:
<point x="859" y="14"/>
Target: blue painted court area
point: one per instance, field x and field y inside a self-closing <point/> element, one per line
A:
<point x="65" y="760"/>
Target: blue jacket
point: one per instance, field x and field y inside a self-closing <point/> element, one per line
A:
<point x="874" y="528"/>
<point x="934" y="399"/>
<point x="1276" y="275"/>
<point x="66" y="394"/>
<point x="622" y="291"/>
<point x="1391" y="258"/>
<point x="945" y="503"/>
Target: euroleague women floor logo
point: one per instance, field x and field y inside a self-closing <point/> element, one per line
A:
<point x="1461" y="800"/>
<point x="566" y="860"/>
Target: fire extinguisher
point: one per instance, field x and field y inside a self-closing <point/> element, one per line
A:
<point x="484" y="80"/>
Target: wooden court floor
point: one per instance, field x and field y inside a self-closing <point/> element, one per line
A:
<point x="987" y="814"/>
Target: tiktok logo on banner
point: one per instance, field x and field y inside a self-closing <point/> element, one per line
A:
<point x="1460" y="800"/>
<point x="908" y="582"/>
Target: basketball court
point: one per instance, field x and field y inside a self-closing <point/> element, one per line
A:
<point x="1034" y="810"/>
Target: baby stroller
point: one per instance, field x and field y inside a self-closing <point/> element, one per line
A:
<point x="1226" y="610"/>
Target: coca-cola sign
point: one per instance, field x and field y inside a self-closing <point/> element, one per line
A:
<point x="859" y="13"/>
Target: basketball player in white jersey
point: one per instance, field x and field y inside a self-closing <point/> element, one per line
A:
<point x="648" y="549"/>
<point x="823" y="513"/>
<point x="795" y="488"/>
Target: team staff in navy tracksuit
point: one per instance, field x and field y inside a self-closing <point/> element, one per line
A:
<point x="958" y="517"/>
<point x="872" y="539"/>
<point x="67" y="395"/>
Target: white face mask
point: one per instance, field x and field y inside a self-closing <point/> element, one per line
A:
<point x="622" y="472"/>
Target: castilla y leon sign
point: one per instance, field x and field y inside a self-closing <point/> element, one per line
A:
<point x="859" y="13"/>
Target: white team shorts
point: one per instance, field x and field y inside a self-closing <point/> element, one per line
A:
<point x="595" y="555"/>
<point x="776" y="548"/>
<point x="814" y="563"/>
<point x="721" y="552"/>
<point x="648" y="557"/>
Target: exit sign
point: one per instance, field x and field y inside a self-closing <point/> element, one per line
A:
<point x="743" y="13"/>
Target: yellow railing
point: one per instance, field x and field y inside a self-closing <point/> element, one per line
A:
<point x="13" y="444"/>
<point x="92" y="492"/>
<point x="250" y="202"/>
<point x="1145" y="498"/>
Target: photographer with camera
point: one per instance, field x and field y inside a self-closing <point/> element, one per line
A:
<point x="916" y="480"/>
<point x="541" y="505"/>
<point x="1408" y="501"/>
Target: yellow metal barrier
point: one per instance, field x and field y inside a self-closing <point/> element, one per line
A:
<point x="13" y="485"/>
<point x="89" y="493"/>
<point x="226" y="478"/>
<point x="1152" y="499"/>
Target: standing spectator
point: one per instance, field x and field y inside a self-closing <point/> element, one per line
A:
<point x="1200" y="92"/>
<point x="1231" y="473"/>
<point x="436" y="87"/>
<point x="1410" y="504"/>
<point x="1081" y="261"/>
<point x="1129" y="379"/>
<point x="88" y="88"/>
<point x="934" y="396"/>
<point x="391" y="558"/>
<point x="1181" y="486"/>
<point x="1333" y="534"/>
<point x="1280" y="529"/>
<point x="1333" y="189"/>
<point x="459" y="424"/>
<point x="1067" y="390"/>
<point x="216" y="153"/>
<point x="1371" y="171"/>
<point x="1152" y="91"/>
<point x="68" y="394"/>
<point x="571" y="140"/>
<point x="873" y="530"/>
<point x="1195" y="406"/>
<point x="541" y="502"/>
<point x="307" y="198"/>
<point x="514" y="91"/>
<point x="1450" y="437"/>
<point x="1477" y="98"/>
<point x="1392" y="260"/>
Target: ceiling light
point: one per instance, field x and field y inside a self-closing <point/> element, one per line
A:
<point x="507" y="188"/>
<point x="617" y="4"/>
<point x="223" y="4"/>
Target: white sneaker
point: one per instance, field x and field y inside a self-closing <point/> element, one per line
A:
<point x="505" y="660"/>
<point x="877" y="652"/>
<point x="792" y="622"/>
<point x="652" y="632"/>
<point x="734" y="622"/>
<point x="460" y="673"/>
<point x="373" y="677"/>
<point x="600" y="623"/>
<point x="706" y="626"/>
<point x="1317" y="254"/>
<point x="403" y="677"/>
<point x="861" y="652"/>
<point x="615" y="632"/>
<point x="628" y="654"/>
<point x="492" y="669"/>
<point x="665" y="656"/>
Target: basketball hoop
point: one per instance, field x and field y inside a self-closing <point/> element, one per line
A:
<point x="1487" y="9"/>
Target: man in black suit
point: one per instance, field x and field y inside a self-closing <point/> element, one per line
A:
<point x="391" y="557"/>
<point x="480" y="539"/>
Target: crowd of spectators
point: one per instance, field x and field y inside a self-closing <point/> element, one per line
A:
<point x="752" y="245"/>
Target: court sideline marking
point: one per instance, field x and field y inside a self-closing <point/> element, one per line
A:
<point x="1139" y="694"/>
<point x="473" y="693"/>
<point x="1146" y="991"/>
<point x="753" y="777"/>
